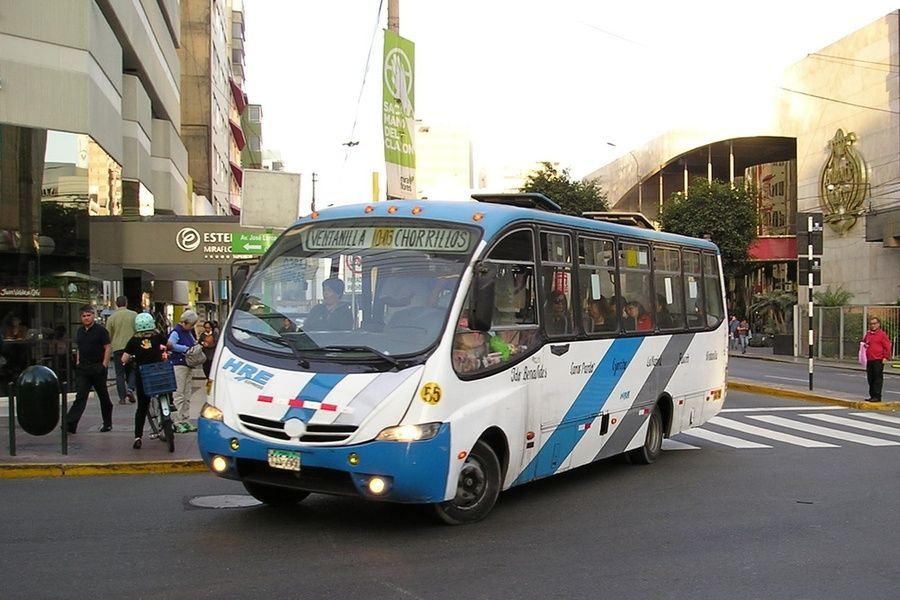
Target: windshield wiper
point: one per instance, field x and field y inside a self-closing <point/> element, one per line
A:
<point x="359" y="348"/>
<point x="278" y="341"/>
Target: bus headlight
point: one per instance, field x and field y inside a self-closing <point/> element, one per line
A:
<point x="409" y="433"/>
<point x="211" y="412"/>
<point x="377" y="486"/>
<point x="219" y="464"/>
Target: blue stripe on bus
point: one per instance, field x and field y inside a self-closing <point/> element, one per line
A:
<point x="590" y="400"/>
<point x="316" y="390"/>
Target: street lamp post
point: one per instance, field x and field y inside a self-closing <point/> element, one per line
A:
<point x="637" y="169"/>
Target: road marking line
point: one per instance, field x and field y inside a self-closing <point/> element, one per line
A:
<point x="781" y="408"/>
<point x="723" y="439"/>
<point x="825" y="431"/>
<point x="669" y="444"/>
<point x="877" y="417"/>
<point x="874" y="428"/>
<point x="768" y="433"/>
<point x="787" y="378"/>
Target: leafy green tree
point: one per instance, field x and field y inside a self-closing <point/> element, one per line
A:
<point x="575" y="197"/>
<point x="727" y="215"/>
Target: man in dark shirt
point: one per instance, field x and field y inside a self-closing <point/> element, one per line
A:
<point x="91" y="364"/>
<point x="332" y="314"/>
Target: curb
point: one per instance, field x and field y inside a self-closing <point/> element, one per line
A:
<point x="13" y="471"/>
<point x="770" y="390"/>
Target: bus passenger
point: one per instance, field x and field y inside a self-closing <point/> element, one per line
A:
<point x="637" y="318"/>
<point x="558" y="314"/>
<point x="469" y="347"/>
<point x="664" y="319"/>
<point x="600" y="319"/>
<point x="332" y="314"/>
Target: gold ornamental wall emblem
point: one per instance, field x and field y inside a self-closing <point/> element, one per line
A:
<point x="844" y="183"/>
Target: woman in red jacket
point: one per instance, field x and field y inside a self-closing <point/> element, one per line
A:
<point x="878" y="350"/>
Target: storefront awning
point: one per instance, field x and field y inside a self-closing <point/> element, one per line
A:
<point x="774" y="249"/>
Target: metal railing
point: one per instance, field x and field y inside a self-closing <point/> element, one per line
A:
<point x="837" y="330"/>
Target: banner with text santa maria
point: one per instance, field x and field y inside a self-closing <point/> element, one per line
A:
<point x="399" y="119"/>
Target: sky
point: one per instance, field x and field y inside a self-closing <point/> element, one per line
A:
<point x="579" y="82"/>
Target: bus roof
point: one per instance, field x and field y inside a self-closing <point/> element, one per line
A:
<point x="496" y="217"/>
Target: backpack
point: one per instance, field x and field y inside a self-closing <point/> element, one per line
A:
<point x="194" y="357"/>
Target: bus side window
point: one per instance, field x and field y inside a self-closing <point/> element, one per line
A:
<point x="634" y="278"/>
<point x="693" y="292"/>
<point x="597" y="285"/>
<point x="715" y="310"/>
<point x="513" y="330"/>
<point x="556" y="284"/>
<point x="668" y="287"/>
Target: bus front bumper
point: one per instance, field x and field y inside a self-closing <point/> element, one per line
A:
<point x="412" y="472"/>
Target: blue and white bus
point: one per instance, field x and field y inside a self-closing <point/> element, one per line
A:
<point x="461" y="348"/>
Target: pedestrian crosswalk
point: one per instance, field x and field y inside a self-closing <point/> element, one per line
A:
<point x="760" y="428"/>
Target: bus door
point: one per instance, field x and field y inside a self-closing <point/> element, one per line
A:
<point x="508" y="354"/>
<point x="562" y="423"/>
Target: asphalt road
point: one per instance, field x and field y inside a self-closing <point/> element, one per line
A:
<point x="711" y="519"/>
<point x="850" y="382"/>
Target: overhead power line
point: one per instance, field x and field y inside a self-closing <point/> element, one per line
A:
<point x="854" y="61"/>
<point x="826" y="98"/>
<point x="352" y="139"/>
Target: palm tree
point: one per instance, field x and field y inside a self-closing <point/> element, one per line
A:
<point x="829" y="297"/>
<point x="771" y="308"/>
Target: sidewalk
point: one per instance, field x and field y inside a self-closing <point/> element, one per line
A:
<point x="799" y="392"/>
<point x="850" y="363"/>
<point x="93" y="453"/>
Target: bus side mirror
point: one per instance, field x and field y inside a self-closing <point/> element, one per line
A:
<point x="482" y="309"/>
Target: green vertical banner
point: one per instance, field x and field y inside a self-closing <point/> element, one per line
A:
<point x="399" y="116"/>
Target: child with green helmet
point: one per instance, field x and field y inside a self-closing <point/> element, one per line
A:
<point x="146" y="346"/>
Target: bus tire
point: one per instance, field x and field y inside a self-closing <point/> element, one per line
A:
<point x="273" y="495"/>
<point x="652" y="447"/>
<point x="476" y="490"/>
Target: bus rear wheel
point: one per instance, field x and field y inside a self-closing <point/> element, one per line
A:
<point x="652" y="447"/>
<point x="476" y="489"/>
<point x="273" y="495"/>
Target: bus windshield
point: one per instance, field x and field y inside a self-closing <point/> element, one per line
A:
<point x="344" y="292"/>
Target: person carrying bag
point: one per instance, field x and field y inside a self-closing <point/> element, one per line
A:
<point x="878" y="350"/>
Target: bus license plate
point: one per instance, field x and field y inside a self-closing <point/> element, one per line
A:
<point x="284" y="459"/>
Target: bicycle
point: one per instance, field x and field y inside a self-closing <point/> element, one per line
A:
<point x="158" y="380"/>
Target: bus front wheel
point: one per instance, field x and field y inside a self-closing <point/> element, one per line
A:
<point x="476" y="490"/>
<point x="652" y="448"/>
<point x="274" y="496"/>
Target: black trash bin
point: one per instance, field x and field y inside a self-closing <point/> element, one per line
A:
<point x="783" y="345"/>
<point x="37" y="400"/>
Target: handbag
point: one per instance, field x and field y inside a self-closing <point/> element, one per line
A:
<point x="862" y="354"/>
<point x="195" y="356"/>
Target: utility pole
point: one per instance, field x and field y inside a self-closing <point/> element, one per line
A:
<point x="393" y="25"/>
<point x="810" y="235"/>
<point x="313" y="204"/>
<point x="393" y="21"/>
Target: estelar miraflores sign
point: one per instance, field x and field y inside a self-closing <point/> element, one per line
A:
<point x="176" y="247"/>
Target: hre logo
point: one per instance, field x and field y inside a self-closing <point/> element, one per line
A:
<point x="248" y="373"/>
